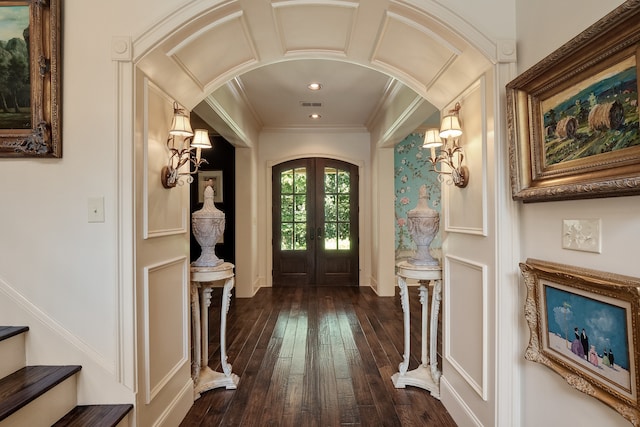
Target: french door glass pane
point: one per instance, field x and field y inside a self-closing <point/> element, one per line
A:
<point x="343" y="207"/>
<point x="330" y="212"/>
<point x="301" y="237"/>
<point x="286" y="208"/>
<point x="286" y="238"/>
<point x="330" y="236"/>
<point x="344" y="182"/>
<point x="337" y="186"/>
<point x="301" y="208"/>
<point x="344" y="241"/>
<point x="286" y="182"/>
<point x="293" y="208"/>
<point x="300" y="180"/>
<point x="329" y="180"/>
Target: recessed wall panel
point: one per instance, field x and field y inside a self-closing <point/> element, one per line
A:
<point x="466" y="320"/>
<point x="164" y="209"/>
<point x="466" y="208"/>
<point x="166" y="324"/>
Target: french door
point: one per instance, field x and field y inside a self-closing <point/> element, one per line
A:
<point x="315" y="223"/>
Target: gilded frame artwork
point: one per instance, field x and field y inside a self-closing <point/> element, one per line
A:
<point x="573" y="117"/>
<point x="30" y="105"/>
<point x="569" y="309"/>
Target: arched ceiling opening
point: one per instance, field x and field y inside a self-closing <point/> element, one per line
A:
<point x="244" y="65"/>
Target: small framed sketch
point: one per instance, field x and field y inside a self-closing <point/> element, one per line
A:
<point x="213" y="178"/>
<point x="583" y="325"/>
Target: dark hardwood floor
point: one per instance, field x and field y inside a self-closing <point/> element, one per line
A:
<point x="320" y="356"/>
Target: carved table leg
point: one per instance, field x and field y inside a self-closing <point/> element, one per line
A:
<point x="435" y="310"/>
<point x="226" y="300"/>
<point x="424" y="302"/>
<point x="404" y="298"/>
<point x="205" y="302"/>
<point x="404" y="365"/>
<point x="195" y="325"/>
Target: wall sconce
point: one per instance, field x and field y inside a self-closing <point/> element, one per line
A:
<point x="451" y="153"/>
<point x="181" y="142"/>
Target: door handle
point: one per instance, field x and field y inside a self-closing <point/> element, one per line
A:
<point x="319" y="232"/>
<point x="311" y="235"/>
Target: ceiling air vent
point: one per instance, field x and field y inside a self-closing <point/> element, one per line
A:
<point x="310" y="104"/>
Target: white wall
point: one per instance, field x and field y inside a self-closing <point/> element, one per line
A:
<point x="383" y="279"/>
<point x="547" y="399"/>
<point x="277" y="147"/>
<point x="247" y="250"/>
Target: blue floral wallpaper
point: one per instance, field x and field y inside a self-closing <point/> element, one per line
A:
<point x="411" y="171"/>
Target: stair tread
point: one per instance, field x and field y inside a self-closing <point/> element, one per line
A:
<point x="94" y="416"/>
<point x="9" y="331"/>
<point x="26" y="384"/>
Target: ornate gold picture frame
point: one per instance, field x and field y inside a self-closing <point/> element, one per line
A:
<point x="584" y="326"/>
<point x="573" y="118"/>
<point x="30" y="79"/>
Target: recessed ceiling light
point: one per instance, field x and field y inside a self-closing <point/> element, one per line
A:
<point x="314" y="86"/>
<point x="314" y="116"/>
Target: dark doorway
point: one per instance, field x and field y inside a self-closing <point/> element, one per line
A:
<point x="220" y="158"/>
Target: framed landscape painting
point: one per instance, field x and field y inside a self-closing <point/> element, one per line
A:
<point x="584" y="325"/>
<point x="30" y="110"/>
<point x="573" y="118"/>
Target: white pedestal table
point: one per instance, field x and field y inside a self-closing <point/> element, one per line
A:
<point x="427" y="375"/>
<point x="203" y="280"/>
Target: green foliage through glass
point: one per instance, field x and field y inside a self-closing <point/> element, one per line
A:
<point x="337" y="209"/>
<point x="293" y="208"/>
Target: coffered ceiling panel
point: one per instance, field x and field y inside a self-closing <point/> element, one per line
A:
<point x="306" y="27"/>
<point x="430" y="55"/>
<point x="208" y="54"/>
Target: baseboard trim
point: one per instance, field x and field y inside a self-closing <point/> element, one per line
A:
<point x="457" y="408"/>
<point x="177" y="408"/>
<point x="374" y="285"/>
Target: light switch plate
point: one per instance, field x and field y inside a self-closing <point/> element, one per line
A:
<point x="582" y="235"/>
<point x="95" y="209"/>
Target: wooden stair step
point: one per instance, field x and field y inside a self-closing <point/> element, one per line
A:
<point x="25" y="385"/>
<point x="94" y="416"/>
<point x="10" y="331"/>
<point x="12" y="349"/>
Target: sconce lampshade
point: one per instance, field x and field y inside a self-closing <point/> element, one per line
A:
<point x="201" y="139"/>
<point x="180" y="125"/>
<point x="450" y="127"/>
<point x="432" y="138"/>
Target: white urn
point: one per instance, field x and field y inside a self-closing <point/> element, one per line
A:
<point x="207" y="225"/>
<point x="423" y="223"/>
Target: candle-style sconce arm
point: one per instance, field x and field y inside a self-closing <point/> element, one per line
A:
<point x="451" y="153"/>
<point x="181" y="143"/>
<point x="458" y="174"/>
